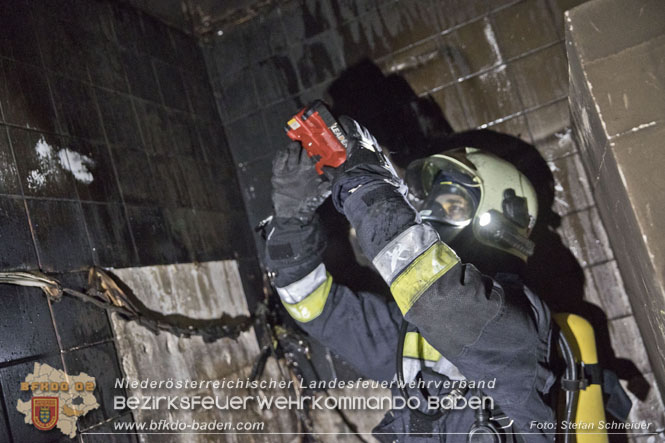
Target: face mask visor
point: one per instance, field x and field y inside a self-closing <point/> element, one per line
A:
<point x="449" y="203"/>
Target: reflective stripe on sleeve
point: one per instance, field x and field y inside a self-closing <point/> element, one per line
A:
<point x="403" y="249"/>
<point x="312" y="305"/>
<point x="297" y="291"/>
<point x="415" y="346"/>
<point x="421" y="273"/>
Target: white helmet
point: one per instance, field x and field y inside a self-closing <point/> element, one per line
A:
<point x="468" y="186"/>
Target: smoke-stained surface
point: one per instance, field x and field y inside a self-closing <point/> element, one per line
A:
<point x="121" y="139"/>
<point x="111" y="154"/>
<point x="111" y="135"/>
<point x="426" y="76"/>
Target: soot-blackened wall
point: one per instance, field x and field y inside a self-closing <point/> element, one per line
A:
<point x="486" y="73"/>
<point x="111" y="152"/>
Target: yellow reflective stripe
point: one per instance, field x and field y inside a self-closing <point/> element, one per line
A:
<point x="415" y="346"/>
<point x="420" y="274"/>
<point x="312" y="305"/>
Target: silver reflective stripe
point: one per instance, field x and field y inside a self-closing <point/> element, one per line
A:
<point x="445" y="367"/>
<point x="411" y="367"/>
<point x="403" y="249"/>
<point x="297" y="291"/>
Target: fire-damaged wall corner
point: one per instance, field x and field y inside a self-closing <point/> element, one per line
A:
<point x="205" y="290"/>
<point x="617" y="102"/>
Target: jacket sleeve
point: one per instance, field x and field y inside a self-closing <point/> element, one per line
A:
<point x="361" y="327"/>
<point x="488" y="330"/>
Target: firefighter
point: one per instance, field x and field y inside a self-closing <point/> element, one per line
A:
<point x="458" y="323"/>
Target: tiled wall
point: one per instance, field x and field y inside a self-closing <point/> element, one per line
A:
<point x="94" y="90"/>
<point x="478" y="62"/>
<point x="205" y="290"/>
<point x="69" y="335"/>
<point x="621" y="144"/>
<point x="414" y="72"/>
<point x="110" y="147"/>
<point x="111" y="154"/>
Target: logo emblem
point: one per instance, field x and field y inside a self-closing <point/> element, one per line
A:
<point x="44" y="412"/>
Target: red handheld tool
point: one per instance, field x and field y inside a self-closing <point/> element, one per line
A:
<point x="320" y="134"/>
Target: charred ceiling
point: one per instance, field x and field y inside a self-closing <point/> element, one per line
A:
<point x="205" y="17"/>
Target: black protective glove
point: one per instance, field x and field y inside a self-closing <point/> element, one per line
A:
<point x="293" y="249"/>
<point x="365" y="163"/>
<point x="295" y="240"/>
<point x="297" y="189"/>
<point x="368" y="191"/>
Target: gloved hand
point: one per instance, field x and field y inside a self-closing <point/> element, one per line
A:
<point x="368" y="191"/>
<point x="365" y="163"/>
<point x="297" y="190"/>
<point x="295" y="240"/>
